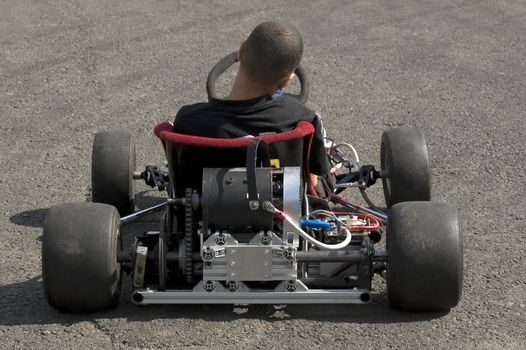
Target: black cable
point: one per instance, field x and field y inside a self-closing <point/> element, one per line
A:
<point x="368" y="201"/>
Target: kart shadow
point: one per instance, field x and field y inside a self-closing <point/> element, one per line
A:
<point x="24" y="303"/>
<point x="36" y="217"/>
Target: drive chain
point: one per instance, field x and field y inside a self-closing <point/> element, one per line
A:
<point x="188" y="236"/>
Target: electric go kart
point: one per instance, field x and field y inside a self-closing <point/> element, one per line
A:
<point x="241" y="224"/>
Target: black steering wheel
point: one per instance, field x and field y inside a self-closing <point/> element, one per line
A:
<point x="227" y="61"/>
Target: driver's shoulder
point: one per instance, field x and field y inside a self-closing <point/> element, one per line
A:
<point x="186" y="115"/>
<point x="296" y="108"/>
<point x="192" y="108"/>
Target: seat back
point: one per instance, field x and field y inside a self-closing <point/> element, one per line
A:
<point x="187" y="155"/>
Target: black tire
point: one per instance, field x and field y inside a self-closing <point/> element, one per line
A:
<point x="425" y="266"/>
<point x="79" y="257"/>
<point x="405" y="163"/>
<point x="112" y="167"/>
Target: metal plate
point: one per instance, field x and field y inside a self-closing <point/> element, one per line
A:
<point x="249" y="263"/>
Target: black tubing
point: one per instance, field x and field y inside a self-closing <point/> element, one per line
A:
<point x="369" y="201"/>
<point x="219" y="68"/>
<point x="303" y="96"/>
<point x="254" y="152"/>
<point x="230" y="59"/>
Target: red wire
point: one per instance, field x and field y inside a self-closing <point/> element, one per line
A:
<point x="280" y="214"/>
<point x="372" y="222"/>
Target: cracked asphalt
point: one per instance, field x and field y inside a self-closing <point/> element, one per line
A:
<point x="456" y="69"/>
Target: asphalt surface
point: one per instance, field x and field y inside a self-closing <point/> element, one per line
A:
<point x="456" y="69"/>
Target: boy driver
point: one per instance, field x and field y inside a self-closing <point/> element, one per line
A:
<point x="267" y="60"/>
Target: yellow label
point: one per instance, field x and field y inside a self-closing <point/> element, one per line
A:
<point x="274" y="163"/>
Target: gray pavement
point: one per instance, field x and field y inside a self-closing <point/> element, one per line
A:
<point x="456" y="69"/>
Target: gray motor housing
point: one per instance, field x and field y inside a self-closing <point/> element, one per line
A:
<point x="225" y="203"/>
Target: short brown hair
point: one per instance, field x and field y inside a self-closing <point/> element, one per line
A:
<point x="271" y="52"/>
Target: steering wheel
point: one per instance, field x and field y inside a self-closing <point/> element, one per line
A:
<point x="227" y="61"/>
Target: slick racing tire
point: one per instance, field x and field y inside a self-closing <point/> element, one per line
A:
<point x="112" y="167"/>
<point x="405" y="166"/>
<point x="425" y="257"/>
<point x="80" y="271"/>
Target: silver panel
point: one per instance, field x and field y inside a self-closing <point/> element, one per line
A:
<point x="291" y="196"/>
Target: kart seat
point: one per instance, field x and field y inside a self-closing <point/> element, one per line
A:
<point x="187" y="155"/>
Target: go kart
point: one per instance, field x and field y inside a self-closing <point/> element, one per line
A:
<point x="242" y="224"/>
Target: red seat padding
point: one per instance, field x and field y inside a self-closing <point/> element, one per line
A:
<point x="165" y="133"/>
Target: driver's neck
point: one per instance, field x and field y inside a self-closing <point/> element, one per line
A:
<point x="246" y="89"/>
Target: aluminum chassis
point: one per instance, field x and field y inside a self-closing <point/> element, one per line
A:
<point x="301" y="295"/>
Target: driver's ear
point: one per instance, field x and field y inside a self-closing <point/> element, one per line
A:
<point x="240" y="51"/>
<point x="285" y="81"/>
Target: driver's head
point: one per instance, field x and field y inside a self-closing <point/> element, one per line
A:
<point x="271" y="54"/>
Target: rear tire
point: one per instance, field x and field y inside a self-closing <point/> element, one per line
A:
<point x="425" y="266"/>
<point x="80" y="271"/>
<point x="405" y="163"/>
<point x="112" y="167"/>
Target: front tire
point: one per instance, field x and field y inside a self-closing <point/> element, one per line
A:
<point x="425" y="257"/>
<point x="405" y="164"/>
<point x="80" y="271"/>
<point x="112" y="166"/>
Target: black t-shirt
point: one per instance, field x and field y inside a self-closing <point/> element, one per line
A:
<point x="230" y="119"/>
